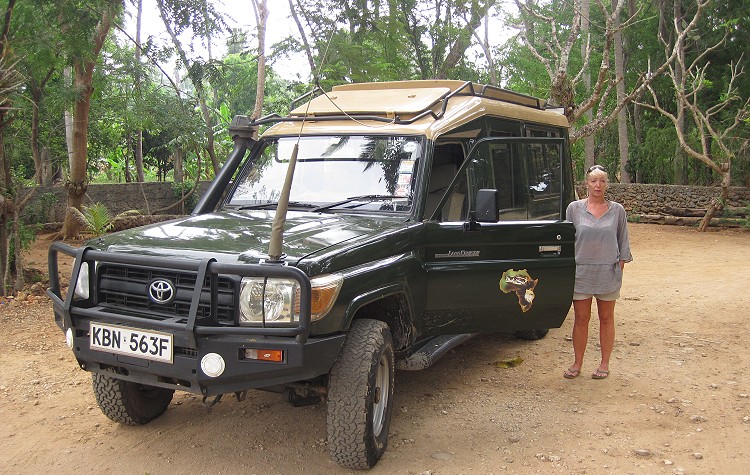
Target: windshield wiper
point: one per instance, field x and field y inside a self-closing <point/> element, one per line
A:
<point x="292" y="204"/>
<point x="365" y="198"/>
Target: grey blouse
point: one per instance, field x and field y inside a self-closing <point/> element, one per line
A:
<point x="600" y="246"/>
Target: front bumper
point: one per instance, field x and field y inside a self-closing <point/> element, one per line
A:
<point x="303" y="357"/>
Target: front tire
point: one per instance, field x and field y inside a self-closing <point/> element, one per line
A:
<point x="360" y="394"/>
<point x="130" y="403"/>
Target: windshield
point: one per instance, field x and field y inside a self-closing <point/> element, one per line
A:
<point x="334" y="172"/>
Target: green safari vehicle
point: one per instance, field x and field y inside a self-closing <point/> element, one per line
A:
<point x="374" y="228"/>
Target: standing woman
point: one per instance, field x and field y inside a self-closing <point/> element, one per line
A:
<point x="601" y="250"/>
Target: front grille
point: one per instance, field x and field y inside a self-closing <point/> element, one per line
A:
<point x="125" y="288"/>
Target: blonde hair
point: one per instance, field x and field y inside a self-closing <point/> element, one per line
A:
<point x="597" y="170"/>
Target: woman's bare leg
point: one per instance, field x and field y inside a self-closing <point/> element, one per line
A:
<point x="582" y="311"/>
<point x="606" y="311"/>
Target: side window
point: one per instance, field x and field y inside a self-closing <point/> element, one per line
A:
<point x="525" y="174"/>
<point x="510" y="182"/>
<point x="544" y="177"/>
<point x="477" y="175"/>
<point x="447" y="158"/>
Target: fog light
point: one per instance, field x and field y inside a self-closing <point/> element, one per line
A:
<point x="69" y="338"/>
<point x="212" y="365"/>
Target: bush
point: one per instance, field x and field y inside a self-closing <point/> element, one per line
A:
<point x="27" y="235"/>
<point x="182" y="189"/>
<point x="39" y="211"/>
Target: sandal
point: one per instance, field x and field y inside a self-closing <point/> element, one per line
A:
<point x="571" y="373"/>
<point x="600" y="374"/>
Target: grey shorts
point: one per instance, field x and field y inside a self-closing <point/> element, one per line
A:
<point x="606" y="297"/>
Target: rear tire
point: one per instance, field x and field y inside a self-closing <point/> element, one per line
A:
<point x="532" y="335"/>
<point x="360" y="395"/>
<point x="130" y="403"/>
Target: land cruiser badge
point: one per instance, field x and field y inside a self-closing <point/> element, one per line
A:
<point x="520" y="282"/>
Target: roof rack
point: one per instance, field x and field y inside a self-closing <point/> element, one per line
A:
<point x="438" y="91"/>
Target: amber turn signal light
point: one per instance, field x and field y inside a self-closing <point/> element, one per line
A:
<point x="276" y="356"/>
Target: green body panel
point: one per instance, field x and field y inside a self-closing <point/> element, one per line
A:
<point x="384" y="255"/>
<point x="242" y="236"/>
<point x="466" y="270"/>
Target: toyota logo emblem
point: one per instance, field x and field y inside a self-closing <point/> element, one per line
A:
<point x="161" y="291"/>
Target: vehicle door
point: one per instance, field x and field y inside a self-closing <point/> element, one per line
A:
<point x="499" y="255"/>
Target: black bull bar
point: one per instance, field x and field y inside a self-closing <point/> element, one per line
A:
<point x="206" y="267"/>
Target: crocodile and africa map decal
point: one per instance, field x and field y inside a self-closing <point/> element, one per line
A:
<point x="520" y="282"/>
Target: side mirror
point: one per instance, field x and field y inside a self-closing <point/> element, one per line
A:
<point x="487" y="206"/>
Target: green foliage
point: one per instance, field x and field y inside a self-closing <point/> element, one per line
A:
<point x="746" y="221"/>
<point x="182" y="189"/>
<point x="39" y="210"/>
<point x="98" y="219"/>
<point x="350" y="41"/>
<point x="654" y="158"/>
<point x="27" y="235"/>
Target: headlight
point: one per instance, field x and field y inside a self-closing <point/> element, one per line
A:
<point x="82" y="284"/>
<point x="279" y="299"/>
<point x="270" y="301"/>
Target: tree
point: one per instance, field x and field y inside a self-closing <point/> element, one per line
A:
<point x="38" y="59"/>
<point x="718" y="138"/>
<point x="389" y="40"/>
<point x="10" y="83"/>
<point x="84" y="58"/>
<point x="261" y="15"/>
<point x="622" y="115"/>
<point x="550" y="31"/>
<point x="139" y="133"/>
<point x="200" y="16"/>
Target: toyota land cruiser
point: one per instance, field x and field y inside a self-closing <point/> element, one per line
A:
<point x="375" y="227"/>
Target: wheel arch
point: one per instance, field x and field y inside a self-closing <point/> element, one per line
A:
<point x="392" y="305"/>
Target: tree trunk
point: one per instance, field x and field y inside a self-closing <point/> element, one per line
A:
<point x="637" y="110"/>
<point x="138" y="153"/>
<point x="412" y="30"/>
<point x="717" y="204"/>
<point x="178" y="158"/>
<point x="47" y="169"/>
<point x="261" y="15"/>
<point x="680" y="158"/>
<point x="622" y="116"/>
<point x="68" y="81"/>
<point x="36" y="99"/>
<point x="77" y="180"/>
<point x="484" y="43"/>
<point x="638" y="132"/>
<point x="305" y="43"/>
<point x="209" y="123"/>
<point x="83" y="84"/>
<point x="463" y="40"/>
<point x="20" y="280"/>
<point x="589" y="141"/>
<point x="6" y="184"/>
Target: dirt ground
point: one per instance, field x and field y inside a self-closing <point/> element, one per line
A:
<point x="676" y="401"/>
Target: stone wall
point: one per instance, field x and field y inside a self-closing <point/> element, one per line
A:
<point x="668" y="199"/>
<point x="145" y="197"/>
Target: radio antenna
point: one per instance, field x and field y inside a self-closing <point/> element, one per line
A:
<point x="275" y="252"/>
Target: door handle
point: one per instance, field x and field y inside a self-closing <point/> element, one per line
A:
<point x="550" y="251"/>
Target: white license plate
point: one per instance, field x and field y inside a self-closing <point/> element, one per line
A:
<point x="134" y="342"/>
